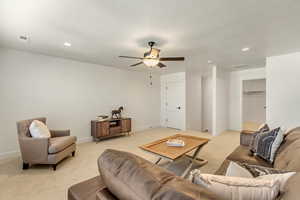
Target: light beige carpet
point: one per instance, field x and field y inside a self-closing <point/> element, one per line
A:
<point x="42" y="183"/>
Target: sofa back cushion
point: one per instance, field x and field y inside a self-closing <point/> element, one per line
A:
<point x="130" y="177"/>
<point x="287" y="157"/>
<point x="293" y="134"/>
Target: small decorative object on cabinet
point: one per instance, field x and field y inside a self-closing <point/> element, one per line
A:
<point x="110" y="128"/>
<point x="117" y="114"/>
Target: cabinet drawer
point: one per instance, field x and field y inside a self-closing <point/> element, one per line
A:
<point x="102" y="129"/>
<point x="126" y="125"/>
<point x="115" y="130"/>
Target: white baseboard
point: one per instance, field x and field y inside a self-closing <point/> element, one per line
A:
<point x="16" y="153"/>
<point x="156" y="126"/>
<point x="9" y="154"/>
<point x="144" y="128"/>
<point x="84" y="140"/>
<point x="139" y="129"/>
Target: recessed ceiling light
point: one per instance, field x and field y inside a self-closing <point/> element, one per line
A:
<point x="67" y="44"/>
<point x="209" y="61"/>
<point x="245" y="49"/>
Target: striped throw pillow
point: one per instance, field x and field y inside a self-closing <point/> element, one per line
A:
<point x="254" y="142"/>
<point x="265" y="142"/>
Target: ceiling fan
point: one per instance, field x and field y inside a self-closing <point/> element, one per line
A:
<point x="151" y="58"/>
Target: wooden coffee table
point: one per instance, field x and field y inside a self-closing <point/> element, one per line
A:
<point x="161" y="149"/>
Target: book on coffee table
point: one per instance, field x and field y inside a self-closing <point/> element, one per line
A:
<point x="175" y="143"/>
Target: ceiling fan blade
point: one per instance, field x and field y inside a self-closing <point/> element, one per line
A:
<point x="131" y="57"/>
<point x="136" y="64"/>
<point x="161" y="65"/>
<point x="172" y="59"/>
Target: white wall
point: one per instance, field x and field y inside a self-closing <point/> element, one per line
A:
<point x="196" y="68"/>
<point x="235" y="94"/>
<point x="69" y="94"/>
<point x="254" y="85"/>
<point x="221" y="100"/>
<point x="194" y="100"/>
<point x="207" y="102"/>
<point x="283" y="94"/>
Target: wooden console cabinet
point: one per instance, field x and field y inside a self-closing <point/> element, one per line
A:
<point x="110" y="128"/>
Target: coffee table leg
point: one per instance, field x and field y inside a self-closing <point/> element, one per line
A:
<point x="193" y="159"/>
<point x="194" y="156"/>
<point x="159" y="159"/>
<point x="196" y="152"/>
<point x="187" y="170"/>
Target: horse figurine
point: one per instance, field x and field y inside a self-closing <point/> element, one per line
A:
<point x="116" y="114"/>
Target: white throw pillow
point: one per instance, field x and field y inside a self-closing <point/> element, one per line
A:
<point x="235" y="170"/>
<point x="281" y="178"/>
<point x="39" y="130"/>
<point x="236" y="188"/>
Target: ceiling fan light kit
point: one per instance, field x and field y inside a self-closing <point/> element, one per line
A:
<point x="151" y="62"/>
<point x="151" y="58"/>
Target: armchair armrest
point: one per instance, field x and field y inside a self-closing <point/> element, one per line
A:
<point x="60" y="133"/>
<point x="34" y="150"/>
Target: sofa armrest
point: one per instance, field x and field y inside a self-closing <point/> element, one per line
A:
<point x="34" y="150"/>
<point x="88" y="190"/>
<point x="60" y="133"/>
<point x="246" y="137"/>
<point x="105" y="194"/>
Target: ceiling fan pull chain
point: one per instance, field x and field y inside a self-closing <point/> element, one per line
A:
<point x="150" y="79"/>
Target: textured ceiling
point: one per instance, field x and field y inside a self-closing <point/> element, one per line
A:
<point x="100" y="30"/>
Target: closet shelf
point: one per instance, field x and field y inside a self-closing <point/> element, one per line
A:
<point x="253" y="92"/>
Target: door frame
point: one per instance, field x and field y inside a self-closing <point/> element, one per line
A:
<point x="174" y="77"/>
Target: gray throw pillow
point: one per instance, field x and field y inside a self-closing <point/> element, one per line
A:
<point x="257" y="170"/>
<point x="254" y="142"/>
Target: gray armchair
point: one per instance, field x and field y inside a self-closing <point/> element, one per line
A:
<point x="44" y="150"/>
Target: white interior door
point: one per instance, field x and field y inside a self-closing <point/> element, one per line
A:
<point x="175" y="104"/>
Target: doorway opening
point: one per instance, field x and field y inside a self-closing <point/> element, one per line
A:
<point x="253" y="103"/>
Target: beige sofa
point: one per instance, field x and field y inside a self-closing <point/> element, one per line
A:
<point x="129" y="177"/>
<point x="44" y="150"/>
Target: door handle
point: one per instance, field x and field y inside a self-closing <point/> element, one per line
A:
<point x="178" y="107"/>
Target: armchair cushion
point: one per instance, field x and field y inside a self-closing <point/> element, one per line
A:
<point x="60" y="133"/>
<point x="58" y="144"/>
